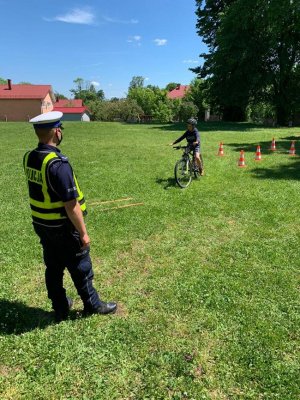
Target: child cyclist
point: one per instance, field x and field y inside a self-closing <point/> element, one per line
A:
<point x="193" y="138"/>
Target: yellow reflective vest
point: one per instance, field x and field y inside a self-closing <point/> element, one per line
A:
<point x="46" y="206"/>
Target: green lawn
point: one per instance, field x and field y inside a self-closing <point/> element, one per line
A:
<point x="207" y="278"/>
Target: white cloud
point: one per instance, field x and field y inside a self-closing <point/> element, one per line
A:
<point x="95" y="83"/>
<point x="160" y="42"/>
<point x="120" y="21"/>
<point x="135" y="39"/>
<point x="190" y="62"/>
<point x="77" y="16"/>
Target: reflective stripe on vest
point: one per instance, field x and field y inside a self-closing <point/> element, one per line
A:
<point x="47" y="210"/>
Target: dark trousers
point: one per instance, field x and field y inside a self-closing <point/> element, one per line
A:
<point x="62" y="249"/>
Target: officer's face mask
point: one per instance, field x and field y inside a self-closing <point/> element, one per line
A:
<point x="59" y="135"/>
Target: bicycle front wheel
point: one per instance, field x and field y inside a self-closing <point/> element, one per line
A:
<point x="183" y="173"/>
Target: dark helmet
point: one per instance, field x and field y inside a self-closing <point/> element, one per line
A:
<point x="192" y="121"/>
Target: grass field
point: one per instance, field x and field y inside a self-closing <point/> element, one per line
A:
<point x="207" y="278"/>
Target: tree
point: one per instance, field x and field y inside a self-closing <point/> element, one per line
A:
<point x="86" y="91"/>
<point x="171" y="86"/>
<point x="146" y="98"/>
<point x="136" y="82"/>
<point x="197" y="95"/>
<point x="163" y="112"/>
<point x="187" y="110"/>
<point x="124" y="109"/>
<point x="129" y="110"/>
<point x="254" y="52"/>
<point x="59" y="96"/>
<point x="175" y="105"/>
<point x="4" y="81"/>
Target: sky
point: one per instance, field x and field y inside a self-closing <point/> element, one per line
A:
<point x="104" y="42"/>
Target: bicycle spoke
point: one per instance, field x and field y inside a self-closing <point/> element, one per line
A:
<point x="183" y="173"/>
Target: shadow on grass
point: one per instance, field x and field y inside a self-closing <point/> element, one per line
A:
<point x="212" y="126"/>
<point x="17" y="318"/>
<point x="289" y="171"/>
<point x="167" y="183"/>
<point x="282" y="146"/>
<point x="291" y="138"/>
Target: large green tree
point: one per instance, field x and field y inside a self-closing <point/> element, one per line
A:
<point x="147" y="97"/>
<point x="136" y="82"/>
<point x="197" y="95"/>
<point x="253" y="54"/>
<point x="86" y="91"/>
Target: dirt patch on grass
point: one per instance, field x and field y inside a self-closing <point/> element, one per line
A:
<point x="6" y="371"/>
<point x="122" y="310"/>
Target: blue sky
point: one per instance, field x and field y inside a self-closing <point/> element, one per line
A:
<point x="102" y="41"/>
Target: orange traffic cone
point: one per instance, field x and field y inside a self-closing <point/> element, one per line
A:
<point x="258" y="154"/>
<point x="241" y="162"/>
<point x="273" y="145"/>
<point x="221" y="151"/>
<point x="292" y="151"/>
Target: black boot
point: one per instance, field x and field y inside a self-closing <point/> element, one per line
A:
<point x="104" y="308"/>
<point x="62" y="314"/>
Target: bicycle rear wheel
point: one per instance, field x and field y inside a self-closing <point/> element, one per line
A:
<point x="183" y="173"/>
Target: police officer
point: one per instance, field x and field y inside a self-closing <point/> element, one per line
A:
<point x="58" y="206"/>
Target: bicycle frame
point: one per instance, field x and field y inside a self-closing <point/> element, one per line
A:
<point x="187" y="154"/>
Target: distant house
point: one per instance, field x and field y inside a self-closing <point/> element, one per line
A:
<point x="179" y="92"/>
<point x="23" y="102"/>
<point x="73" y="110"/>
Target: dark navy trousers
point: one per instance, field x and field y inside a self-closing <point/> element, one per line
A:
<point x="62" y="249"/>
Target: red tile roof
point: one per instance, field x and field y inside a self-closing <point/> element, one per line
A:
<point x="179" y="92"/>
<point x="25" y="91"/>
<point x="69" y="103"/>
<point x="72" y="106"/>
<point x="70" y="110"/>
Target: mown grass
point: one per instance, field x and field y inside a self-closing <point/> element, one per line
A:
<point x="207" y="278"/>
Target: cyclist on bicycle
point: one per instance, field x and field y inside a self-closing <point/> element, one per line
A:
<point x="193" y="138"/>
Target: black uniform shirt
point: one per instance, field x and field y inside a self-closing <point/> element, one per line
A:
<point x="61" y="175"/>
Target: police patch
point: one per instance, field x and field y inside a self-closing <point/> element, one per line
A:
<point x="33" y="175"/>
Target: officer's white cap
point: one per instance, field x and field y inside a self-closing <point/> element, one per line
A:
<point x="47" y="120"/>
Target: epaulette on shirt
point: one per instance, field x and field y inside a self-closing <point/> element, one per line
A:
<point x="62" y="157"/>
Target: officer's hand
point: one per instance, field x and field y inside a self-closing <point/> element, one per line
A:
<point x="85" y="240"/>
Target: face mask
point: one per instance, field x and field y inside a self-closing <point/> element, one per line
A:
<point x="61" y="138"/>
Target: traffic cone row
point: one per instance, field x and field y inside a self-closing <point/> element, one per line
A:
<point x="242" y="162"/>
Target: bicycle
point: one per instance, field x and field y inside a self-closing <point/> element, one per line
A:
<point x="186" y="167"/>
